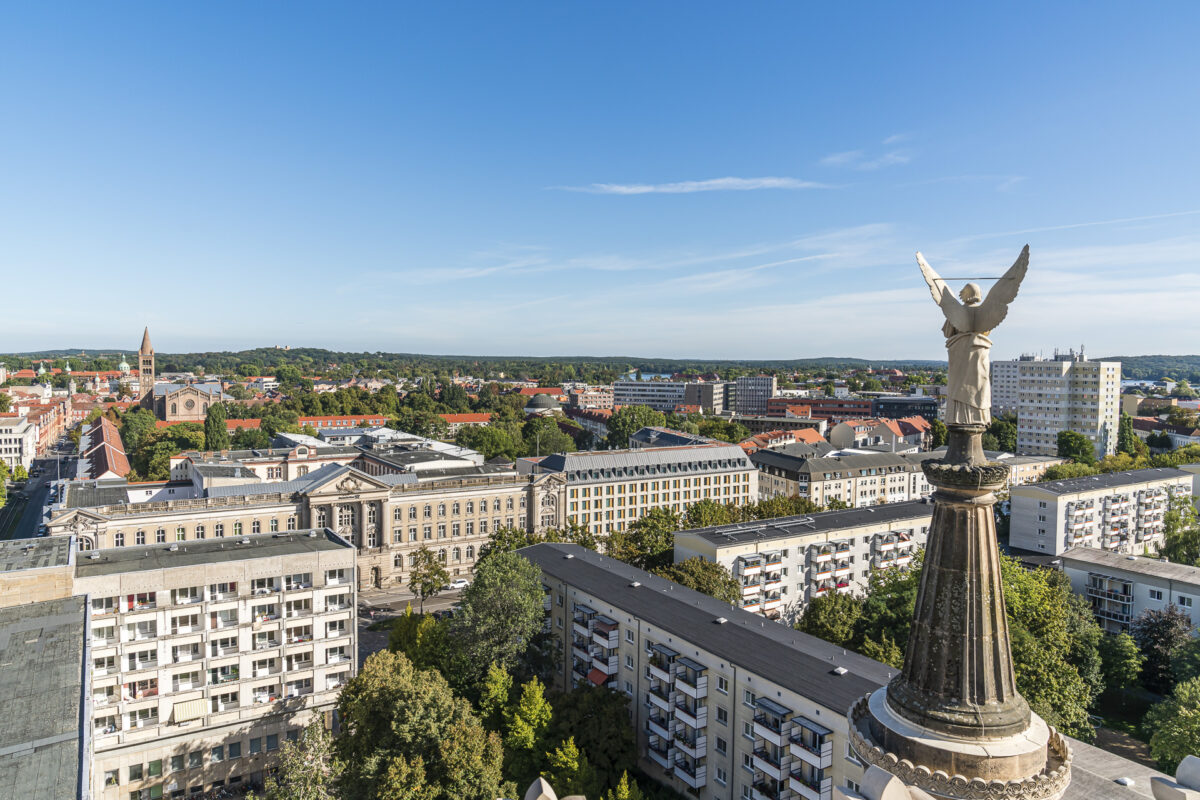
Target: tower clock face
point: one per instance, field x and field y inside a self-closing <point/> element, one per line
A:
<point x="189" y="404"/>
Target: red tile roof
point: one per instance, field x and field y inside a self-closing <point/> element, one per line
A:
<point x="466" y="419"/>
<point x="554" y="390"/>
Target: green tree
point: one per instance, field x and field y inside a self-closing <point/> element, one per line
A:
<point x="1122" y="661"/>
<point x="710" y="577"/>
<point x="490" y="440"/>
<point x="706" y="514"/>
<point x="598" y="718"/>
<point x="136" y="424"/>
<point x="1076" y="447"/>
<point x="885" y="650"/>
<point x="1158" y="633"/>
<point x="1060" y="472"/>
<point x="542" y="436"/>
<point x="649" y="542"/>
<point x="216" y="435"/>
<point x="405" y="731"/>
<point x="1175" y="723"/>
<point x="625" y="789"/>
<point x="20" y="473"/>
<point x="494" y="697"/>
<point x="525" y="725"/>
<point x="723" y="430"/>
<point x="250" y="439"/>
<point x="427" y="576"/>
<point x="568" y="770"/>
<point x="627" y="421"/>
<point x="1185" y="660"/>
<point x="938" y="433"/>
<point x="420" y="637"/>
<point x="1127" y="441"/>
<point x="1181" y="531"/>
<point x="306" y="769"/>
<point x="5" y="403"/>
<point x="499" y="616"/>
<point x="832" y="617"/>
<point x="1005" y="433"/>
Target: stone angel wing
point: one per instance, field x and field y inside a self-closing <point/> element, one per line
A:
<point x="956" y="313"/>
<point x="992" y="311"/>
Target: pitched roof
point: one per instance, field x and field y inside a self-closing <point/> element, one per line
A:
<point x="146" y="348"/>
<point x="554" y="390"/>
<point x="466" y="419"/>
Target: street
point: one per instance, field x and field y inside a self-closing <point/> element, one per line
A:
<point x="36" y="489"/>
<point x="395" y="602"/>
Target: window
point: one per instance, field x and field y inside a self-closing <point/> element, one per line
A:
<point x="722" y="715"/>
<point x="195" y="760"/>
<point x="722" y="776"/>
<point x="747" y="697"/>
<point x="160" y="535"/>
<point x="272" y="742"/>
<point x="470" y="552"/>
<point x="219" y="530"/>
<point x="722" y="746"/>
<point x="748" y="729"/>
<point x="255" y="746"/>
<point x="1185" y="601"/>
<point x="1156" y="594"/>
<point x="274" y="526"/>
<point x="237" y="528"/>
<point x="140" y="537"/>
<point x="135" y="772"/>
<point x="235" y="749"/>
<point x="442" y="531"/>
<point x="256" y="527"/>
<point x="217" y="754"/>
<point x="180" y="534"/>
<point x="176" y="763"/>
<point x="455" y="529"/>
<point x="628" y="662"/>
<point x="291" y="523"/>
<point x="112" y="778"/>
<point x="722" y="685"/>
<point x="427" y="532"/>
<point x="118" y="539"/>
<point x="628" y="632"/>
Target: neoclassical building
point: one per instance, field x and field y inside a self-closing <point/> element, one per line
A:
<point x="388" y="503"/>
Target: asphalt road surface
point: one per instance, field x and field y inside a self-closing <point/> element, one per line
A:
<point x="36" y="490"/>
<point x="394" y="602"/>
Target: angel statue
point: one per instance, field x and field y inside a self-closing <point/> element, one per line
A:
<point x="967" y="327"/>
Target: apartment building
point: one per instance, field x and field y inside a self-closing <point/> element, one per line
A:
<point x="753" y="392"/>
<point x="857" y="480"/>
<point x="1006" y="385"/>
<point x="1119" y="511"/>
<point x="723" y="705"/>
<point x="712" y="397"/>
<point x="836" y="409"/>
<point x="782" y="564"/>
<point x="1121" y="587"/>
<point x="896" y="407"/>
<point x="18" y="441"/>
<point x="591" y="397"/>
<point x="388" y="502"/>
<point x="606" y="490"/>
<point x="206" y="656"/>
<point x="44" y="680"/>
<point x="1066" y="393"/>
<point x="765" y="424"/>
<point x="896" y="435"/>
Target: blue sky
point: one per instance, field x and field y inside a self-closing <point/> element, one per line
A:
<point x="725" y="180"/>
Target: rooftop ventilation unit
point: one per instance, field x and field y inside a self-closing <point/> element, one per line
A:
<point x="720" y="620"/>
<point x="840" y="670"/>
<point x="636" y="584"/>
<point x="173" y="548"/>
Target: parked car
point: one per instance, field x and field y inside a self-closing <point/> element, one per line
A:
<point x="458" y="583"/>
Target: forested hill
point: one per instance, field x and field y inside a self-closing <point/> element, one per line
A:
<point x="1155" y="367"/>
<point x="329" y="362"/>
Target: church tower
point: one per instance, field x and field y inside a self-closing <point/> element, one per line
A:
<point x="146" y="371"/>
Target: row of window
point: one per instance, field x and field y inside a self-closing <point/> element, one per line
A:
<point x="136" y="773"/>
<point x="201" y="532"/>
<point x="653" y="486"/>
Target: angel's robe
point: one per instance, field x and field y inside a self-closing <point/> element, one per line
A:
<point x="968" y="382"/>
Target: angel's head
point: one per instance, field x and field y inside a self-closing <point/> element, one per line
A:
<point x="971" y="295"/>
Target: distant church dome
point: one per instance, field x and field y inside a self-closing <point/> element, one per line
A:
<point x="123" y="366"/>
<point x="542" y="404"/>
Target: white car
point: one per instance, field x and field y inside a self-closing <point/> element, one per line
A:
<point x="459" y="583"/>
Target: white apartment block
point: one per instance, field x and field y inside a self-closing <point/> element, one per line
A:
<point x="1067" y="393"/>
<point x="1006" y="386"/>
<point x="659" y="395"/>
<point x="1119" y="511"/>
<point x="1122" y="587"/>
<point x="782" y="564"/>
<point x="18" y="442"/>
<point x="724" y="705"/>
<point x="607" y="490"/>
<point x="857" y="480"/>
<point x="207" y="656"/>
<point x="753" y="392"/>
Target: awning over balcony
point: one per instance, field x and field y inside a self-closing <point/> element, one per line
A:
<point x="189" y="710"/>
<point x="819" y="730"/>
<point x="597" y="676"/>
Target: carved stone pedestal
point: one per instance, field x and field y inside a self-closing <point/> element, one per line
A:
<point x="952" y="723"/>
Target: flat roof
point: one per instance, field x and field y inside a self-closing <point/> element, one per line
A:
<point x="41" y="553"/>
<point x="42" y="699"/>
<point x="803" y="664"/>
<point x="1097" y="557"/>
<point x="808" y="524"/>
<point x="1109" y="480"/>
<point x="115" y="560"/>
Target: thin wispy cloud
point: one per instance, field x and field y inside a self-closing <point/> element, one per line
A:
<point x="1002" y="182"/>
<point x="858" y="159"/>
<point x="690" y="187"/>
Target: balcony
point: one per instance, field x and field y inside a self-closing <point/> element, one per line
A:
<point x="768" y="764"/>
<point x="692" y="685"/>
<point x="818" y="755"/>
<point x="660" y="697"/>
<point x="753" y="606"/>
<point x="1109" y="594"/>
<point x="843" y="570"/>
<point x="695" y="746"/>
<point x="772" y="603"/>
<point x="694" y="775"/>
<point x="606" y="664"/>
<point x="581" y="628"/>
<point x="768" y="729"/>
<point x="811" y="788"/>
<point x="660" y="668"/>
<point x="661" y="756"/>
<point x="750" y="590"/>
<point x="821" y="558"/>
<point x="605" y="634"/>
<point x="772" y="581"/>
<point x="751" y="568"/>
<point x="659" y="726"/>
<point x="581" y="652"/>
<point x="762" y="790"/>
<point x="695" y="716"/>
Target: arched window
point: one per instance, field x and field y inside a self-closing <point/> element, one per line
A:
<point x="398" y="561"/>
<point x="428" y="511"/>
<point x="180" y="534"/>
<point x="470" y="552"/>
<point x="173" y="409"/>
<point x="441" y="509"/>
<point x="345" y="516"/>
<point x="140" y="537"/>
<point x="442" y="555"/>
<point x="496" y="504"/>
<point x="320" y="515"/>
<point x="118" y="539"/>
<point x="291" y="523"/>
<point x="371" y="511"/>
<point x="470" y="507"/>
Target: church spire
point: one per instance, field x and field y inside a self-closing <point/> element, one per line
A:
<point x="146" y="348"/>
